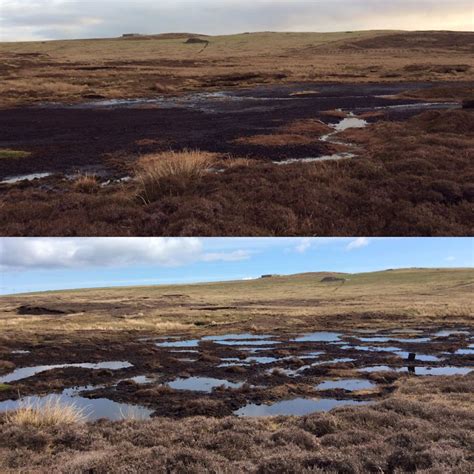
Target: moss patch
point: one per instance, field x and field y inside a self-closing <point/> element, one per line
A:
<point x="5" y="154"/>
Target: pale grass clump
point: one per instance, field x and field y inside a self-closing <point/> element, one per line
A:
<point x="86" y="183"/>
<point x="132" y="413"/>
<point x="170" y="173"/>
<point x="239" y="163"/>
<point x="53" y="411"/>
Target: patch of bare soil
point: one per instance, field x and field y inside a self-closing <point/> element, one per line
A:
<point x="411" y="175"/>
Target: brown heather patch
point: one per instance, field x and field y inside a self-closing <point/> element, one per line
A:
<point x="276" y="139"/>
<point x="409" y="178"/>
<point x="416" y="430"/>
<point x="312" y="127"/>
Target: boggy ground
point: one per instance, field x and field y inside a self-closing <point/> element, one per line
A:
<point x="126" y="324"/>
<point x="412" y="174"/>
<point x="426" y="426"/>
<point x="412" y="422"/>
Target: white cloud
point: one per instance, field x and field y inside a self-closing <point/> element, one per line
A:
<point x="358" y="243"/>
<point x="303" y="245"/>
<point x="226" y="257"/>
<point x="50" y="253"/>
<point x="450" y="259"/>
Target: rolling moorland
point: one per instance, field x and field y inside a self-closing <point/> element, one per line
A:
<point x="354" y="133"/>
<point x="271" y="346"/>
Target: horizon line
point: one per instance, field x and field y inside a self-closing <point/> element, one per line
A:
<point x="232" y="280"/>
<point x="232" y="34"/>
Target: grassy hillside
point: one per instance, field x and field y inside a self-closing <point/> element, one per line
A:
<point x="393" y="297"/>
<point x="80" y="69"/>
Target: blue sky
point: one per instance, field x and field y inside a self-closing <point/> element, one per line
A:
<point x="37" y="264"/>
<point x="23" y="20"/>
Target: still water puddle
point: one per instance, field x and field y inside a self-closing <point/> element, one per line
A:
<point x="350" y="385"/>
<point x="372" y="348"/>
<point x="25" y="372"/>
<point x="320" y="336"/>
<point x="296" y="372"/>
<point x="436" y="370"/>
<point x="377" y="368"/>
<point x="420" y="370"/>
<point x="449" y="332"/>
<point x="93" y="409"/>
<point x="464" y="352"/>
<point x="419" y="357"/>
<point x="24" y="177"/>
<point x="247" y="343"/>
<point x="350" y="122"/>
<point x="188" y="343"/>
<point x="201" y="384"/>
<point x="142" y="379"/>
<point x="296" y="407"/>
<point x="387" y="339"/>
<point x="249" y="360"/>
<point x="333" y="157"/>
<point x="236" y="337"/>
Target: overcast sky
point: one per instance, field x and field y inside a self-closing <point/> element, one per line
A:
<point x="36" y="264"/>
<point x="56" y="19"/>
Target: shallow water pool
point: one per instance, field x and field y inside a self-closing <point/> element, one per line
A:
<point x="297" y="406"/>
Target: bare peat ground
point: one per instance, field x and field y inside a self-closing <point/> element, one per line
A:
<point x="74" y="71"/>
<point x="411" y="175"/>
<point x="319" y="344"/>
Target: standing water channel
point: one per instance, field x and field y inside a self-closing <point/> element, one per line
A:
<point x="247" y="367"/>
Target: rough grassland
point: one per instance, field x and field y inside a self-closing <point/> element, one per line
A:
<point x="376" y="300"/>
<point x="87" y="69"/>
<point x="425" y="424"/>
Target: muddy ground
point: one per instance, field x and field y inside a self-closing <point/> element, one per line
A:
<point x="288" y="369"/>
<point x="106" y="137"/>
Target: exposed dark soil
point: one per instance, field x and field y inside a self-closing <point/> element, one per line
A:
<point x="262" y="382"/>
<point x="66" y="139"/>
<point x="412" y="174"/>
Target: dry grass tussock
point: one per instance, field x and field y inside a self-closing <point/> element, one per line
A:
<point x="53" y="411"/>
<point x="86" y="183"/>
<point x="170" y="173"/>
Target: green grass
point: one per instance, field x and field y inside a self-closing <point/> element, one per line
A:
<point x="11" y="154"/>
<point x="4" y="386"/>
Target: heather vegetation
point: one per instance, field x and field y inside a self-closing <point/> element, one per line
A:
<point x="410" y="177"/>
<point x="426" y="426"/>
<point x="411" y="423"/>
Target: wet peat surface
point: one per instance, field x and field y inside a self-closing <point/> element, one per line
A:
<point x="240" y="374"/>
<point x="105" y="137"/>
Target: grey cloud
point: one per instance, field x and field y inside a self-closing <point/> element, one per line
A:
<point x="45" y="19"/>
